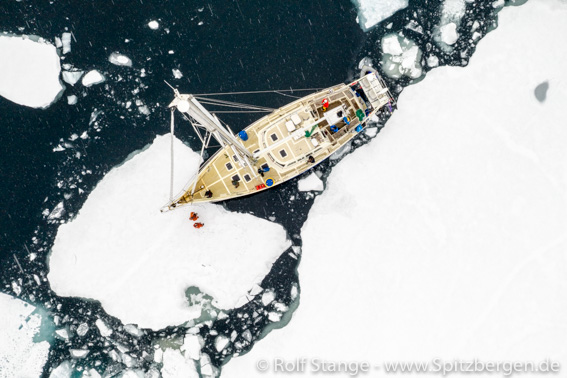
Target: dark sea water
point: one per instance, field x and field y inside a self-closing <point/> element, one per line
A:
<point x="219" y="46"/>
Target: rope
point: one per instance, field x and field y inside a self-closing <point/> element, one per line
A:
<point x="172" y="137"/>
<point x="249" y="92"/>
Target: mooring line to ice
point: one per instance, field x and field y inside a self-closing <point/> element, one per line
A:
<point x="172" y="130"/>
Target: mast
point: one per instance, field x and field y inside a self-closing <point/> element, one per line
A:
<point x="189" y="105"/>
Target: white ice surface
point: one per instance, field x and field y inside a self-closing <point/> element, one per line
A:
<point x="176" y="365"/>
<point x="453" y="240"/>
<point x="92" y="77"/>
<point x="138" y="262"/>
<point x="19" y="355"/>
<point x="29" y="71"/>
<point x="311" y="182"/>
<point x="154" y="25"/>
<point x="372" y="12"/>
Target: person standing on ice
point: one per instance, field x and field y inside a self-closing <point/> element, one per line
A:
<point x="198" y="225"/>
<point x="193" y="216"/>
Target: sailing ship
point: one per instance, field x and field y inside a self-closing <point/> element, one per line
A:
<point x="279" y="146"/>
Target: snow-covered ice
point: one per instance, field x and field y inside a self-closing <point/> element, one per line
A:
<point x="19" y="354"/>
<point x="458" y="249"/>
<point x="311" y="182"/>
<point x="138" y="262"/>
<point x="372" y="12"/>
<point x="92" y="77"/>
<point x="120" y="59"/>
<point x="29" y="71"/>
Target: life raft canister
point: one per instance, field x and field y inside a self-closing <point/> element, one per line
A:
<point x="325" y="103"/>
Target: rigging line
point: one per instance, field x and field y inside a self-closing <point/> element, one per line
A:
<point x="212" y="101"/>
<point x="172" y="137"/>
<point x="241" y="107"/>
<point x="242" y="111"/>
<point x="250" y="92"/>
<point x="286" y="95"/>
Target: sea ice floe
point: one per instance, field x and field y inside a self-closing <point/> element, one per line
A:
<point x="120" y="60"/>
<point x="29" y="71"/>
<point x="92" y="77"/>
<point x="309" y="183"/>
<point x="452" y="242"/>
<point x="154" y="25"/>
<point x="371" y="12"/>
<point x="175" y="365"/>
<point x="401" y="56"/>
<point x="138" y="262"/>
<point x="20" y="356"/>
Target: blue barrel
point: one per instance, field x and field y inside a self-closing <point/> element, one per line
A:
<point x="358" y="128"/>
<point x="242" y="134"/>
<point x="269" y="182"/>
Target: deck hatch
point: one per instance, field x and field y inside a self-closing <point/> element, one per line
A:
<point x="283" y="153"/>
<point x="274" y="137"/>
<point x="229" y="166"/>
<point x="247" y="177"/>
<point x="236" y="178"/>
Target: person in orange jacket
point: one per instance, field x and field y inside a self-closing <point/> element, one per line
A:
<point x="198" y="225"/>
<point x="193" y="216"/>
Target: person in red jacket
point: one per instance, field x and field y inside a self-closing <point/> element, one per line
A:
<point x="193" y="216"/>
<point x="198" y="225"/>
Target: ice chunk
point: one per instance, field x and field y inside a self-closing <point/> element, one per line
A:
<point x="66" y="42"/>
<point x="391" y="45"/>
<point x="268" y="297"/>
<point x="192" y="345"/>
<point x="460" y="229"/>
<point x="93" y="77"/>
<point x="78" y="353"/>
<point x="20" y="356"/>
<point x="154" y="25"/>
<point x="372" y="12"/>
<point x="72" y="77"/>
<point x="445" y="33"/>
<point x="221" y="342"/>
<point x="311" y="182"/>
<point x="29" y="71"/>
<point x="103" y="328"/>
<point x="176" y="365"/>
<point x="401" y="57"/>
<point x="125" y="268"/>
<point x="176" y="73"/>
<point x="71" y="100"/>
<point x="449" y="33"/>
<point x="120" y="60"/>
<point x="63" y="370"/>
<point x="133" y="330"/>
<point x="57" y="211"/>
